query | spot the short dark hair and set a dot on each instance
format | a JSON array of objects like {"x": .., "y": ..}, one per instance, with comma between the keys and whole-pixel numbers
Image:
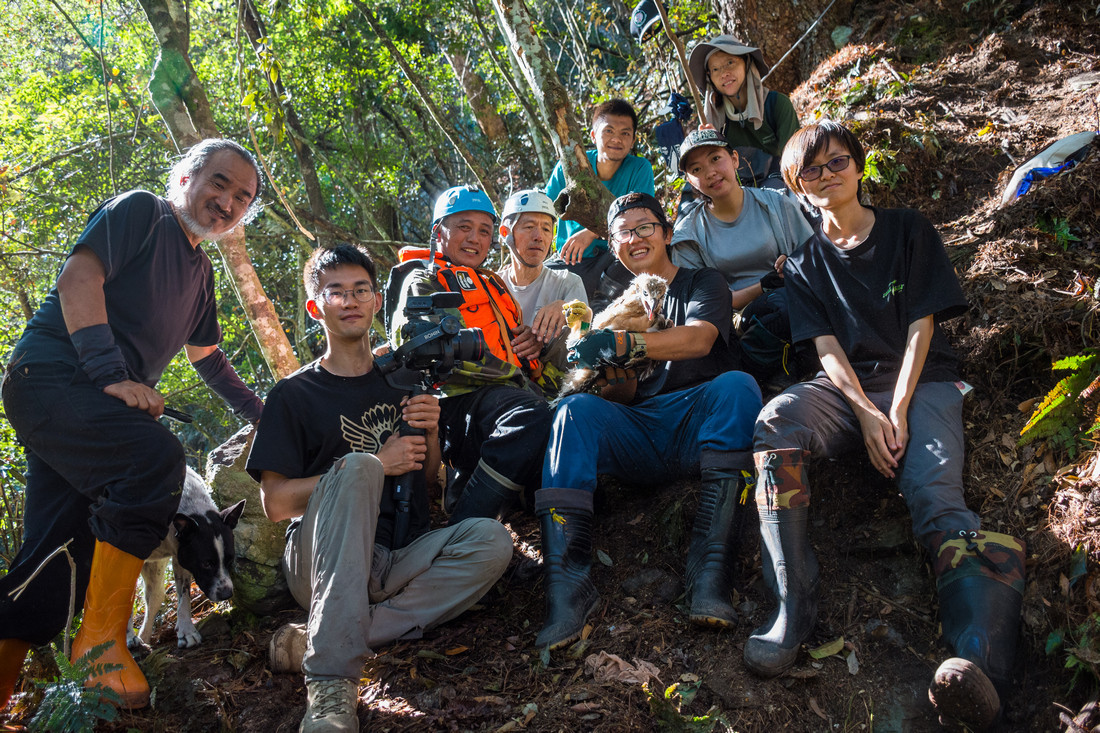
[
  {"x": 329, "y": 258},
  {"x": 199, "y": 155},
  {"x": 617, "y": 107},
  {"x": 807, "y": 144},
  {"x": 637, "y": 200}
]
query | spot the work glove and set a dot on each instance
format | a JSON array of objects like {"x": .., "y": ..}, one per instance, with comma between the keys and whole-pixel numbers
[
  {"x": 772, "y": 281},
  {"x": 604, "y": 347}
]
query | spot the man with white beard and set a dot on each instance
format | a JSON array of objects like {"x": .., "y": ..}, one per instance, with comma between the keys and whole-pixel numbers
[{"x": 103, "y": 476}]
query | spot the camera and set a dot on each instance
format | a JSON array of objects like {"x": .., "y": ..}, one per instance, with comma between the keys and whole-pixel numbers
[{"x": 433, "y": 340}]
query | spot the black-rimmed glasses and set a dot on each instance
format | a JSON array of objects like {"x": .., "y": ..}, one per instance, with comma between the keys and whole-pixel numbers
[
  {"x": 642, "y": 230},
  {"x": 836, "y": 165}
]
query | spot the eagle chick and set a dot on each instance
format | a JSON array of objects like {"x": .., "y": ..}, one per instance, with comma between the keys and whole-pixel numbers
[{"x": 638, "y": 309}]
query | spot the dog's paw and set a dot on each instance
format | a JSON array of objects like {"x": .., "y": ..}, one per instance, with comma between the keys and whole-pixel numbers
[
  {"x": 138, "y": 648},
  {"x": 187, "y": 636}
]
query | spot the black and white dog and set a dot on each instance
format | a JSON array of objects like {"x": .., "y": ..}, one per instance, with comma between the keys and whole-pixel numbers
[{"x": 200, "y": 545}]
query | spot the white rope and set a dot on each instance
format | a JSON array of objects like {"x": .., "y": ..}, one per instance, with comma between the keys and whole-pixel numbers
[{"x": 800, "y": 40}]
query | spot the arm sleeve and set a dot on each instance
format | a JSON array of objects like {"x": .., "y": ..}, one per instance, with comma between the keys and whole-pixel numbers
[
  {"x": 710, "y": 301},
  {"x": 120, "y": 229},
  {"x": 933, "y": 286},
  {"x": 807, "y": 313},
  {"x": 786, "y": 120},
  {"x": 556, "y": 183},
  {"x": 280, "y": 441},
  {"x": 573, "y": 288},
  {"x": 642, "y": 178},
  {"x": 795, "y": 225},
  {"x": 208, "y": 332},
  {"x": 224, "y": 381}
]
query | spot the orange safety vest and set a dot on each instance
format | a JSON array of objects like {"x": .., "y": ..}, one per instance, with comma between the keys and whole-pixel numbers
[{"x": 486, "y": 304}]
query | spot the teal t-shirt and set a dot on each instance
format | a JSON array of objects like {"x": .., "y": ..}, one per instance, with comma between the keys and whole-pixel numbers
[{"x": 635, "y": 174}]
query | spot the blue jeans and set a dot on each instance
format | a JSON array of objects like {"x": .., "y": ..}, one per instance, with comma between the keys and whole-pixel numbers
[
  {"x": 656, "y": 441},
  {"x": 96, "y": 469}
]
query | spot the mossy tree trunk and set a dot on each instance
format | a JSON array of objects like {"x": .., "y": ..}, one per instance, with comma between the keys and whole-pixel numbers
[{"x": 585, "y": 199}]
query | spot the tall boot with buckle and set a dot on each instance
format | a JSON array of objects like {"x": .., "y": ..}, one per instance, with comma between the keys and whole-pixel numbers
[
  {"x": 486, "y": 494},
  {"x": 12, "y": 654},
  {"x": 790, "y": 567},
  {"x": 565, "y": 516},
  {"x": 107, "y": 608},
  {"x": 980, "y": 580},
  {"x": 715, "y": 537}
]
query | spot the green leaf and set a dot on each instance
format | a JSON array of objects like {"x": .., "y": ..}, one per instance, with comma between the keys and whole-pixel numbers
[
  {"x": 828, "y": 649},
  {"x": 604, "y": 558}
]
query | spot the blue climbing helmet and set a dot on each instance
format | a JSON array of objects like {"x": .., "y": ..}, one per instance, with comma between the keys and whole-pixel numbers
[
  {"x": 462, "y": 198},
  {"x": 453, "y": 201}
]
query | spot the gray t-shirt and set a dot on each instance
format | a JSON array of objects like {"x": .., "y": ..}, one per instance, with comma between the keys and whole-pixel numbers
[
  {"x": 549, "y": 286},
  {"x": 745, "y": 249}
]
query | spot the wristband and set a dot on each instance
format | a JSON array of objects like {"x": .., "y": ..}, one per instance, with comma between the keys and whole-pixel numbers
[{"x": 99, "y": 355}]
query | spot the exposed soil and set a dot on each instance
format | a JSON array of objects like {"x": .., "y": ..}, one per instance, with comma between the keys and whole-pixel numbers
[{"x": 959, "y": 98}]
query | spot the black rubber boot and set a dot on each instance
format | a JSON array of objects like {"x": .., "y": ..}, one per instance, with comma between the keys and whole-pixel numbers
[
  {"x": 790, "y": 567},
  {"x": 565, "y": 516},
  {"x": 487, "y": 494},
  {"x": 980, "y": 577},
  {"x": 715, "y": 537}
]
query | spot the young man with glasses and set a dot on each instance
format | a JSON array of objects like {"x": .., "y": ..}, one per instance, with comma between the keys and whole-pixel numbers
[
  {"x": 691, "y": 414},
  {"x": 104, "y": 477},
  {"x": 327, "y": 453}
]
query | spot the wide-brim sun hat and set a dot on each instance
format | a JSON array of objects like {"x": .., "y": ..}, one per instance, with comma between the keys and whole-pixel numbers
[{"x": 697, "y": 64}]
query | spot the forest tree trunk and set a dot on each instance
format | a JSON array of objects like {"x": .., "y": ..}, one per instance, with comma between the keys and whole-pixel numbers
[
  {"x": 775, "y": 25},
  {"x": 585, "y": 199},
  {"x": 181, "y": 100}
]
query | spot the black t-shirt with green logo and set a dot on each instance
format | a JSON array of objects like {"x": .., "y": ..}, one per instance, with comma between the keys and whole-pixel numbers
[{"x": 868, "y": 296}]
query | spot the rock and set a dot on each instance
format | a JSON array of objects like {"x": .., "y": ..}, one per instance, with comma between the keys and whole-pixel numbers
[{"x": 258, "y": 582}]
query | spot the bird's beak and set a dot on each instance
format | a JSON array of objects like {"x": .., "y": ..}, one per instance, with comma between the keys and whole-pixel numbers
[{"x": 650, "y": 306}]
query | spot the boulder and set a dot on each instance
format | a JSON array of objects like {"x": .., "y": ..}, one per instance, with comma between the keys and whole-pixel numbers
[{"x": 258, "y": 582}]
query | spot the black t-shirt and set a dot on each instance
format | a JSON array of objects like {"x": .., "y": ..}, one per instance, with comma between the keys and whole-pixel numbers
[
  {"x": 694, "y": 295},
  {"x": 313, "y": 418},
  {"x": 159, "y": 290},
  {"x": 868, "y": 296}
]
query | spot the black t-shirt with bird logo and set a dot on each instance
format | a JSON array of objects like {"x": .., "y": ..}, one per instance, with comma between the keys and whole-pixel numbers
[{"x": 313, "y": 418}]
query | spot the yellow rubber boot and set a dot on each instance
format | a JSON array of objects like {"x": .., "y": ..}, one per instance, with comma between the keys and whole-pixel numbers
[
  {"x": 12, "y": 654},
  {"x": 107, "y": 608}
]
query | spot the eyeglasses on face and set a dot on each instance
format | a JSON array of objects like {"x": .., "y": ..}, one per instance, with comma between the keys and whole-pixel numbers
[
  {"x": 836, "y": 165},
  {"x": 332, "y": 295},
  {"x": 642, "y": 231}
]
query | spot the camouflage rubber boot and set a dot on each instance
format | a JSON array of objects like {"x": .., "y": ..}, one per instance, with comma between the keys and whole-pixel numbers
[
  {"x": 715, "y": 535},
  {"x": 980, "y": 579},
  {"x": 790, "y": 567},
  {"x": 565, "y": 516}
]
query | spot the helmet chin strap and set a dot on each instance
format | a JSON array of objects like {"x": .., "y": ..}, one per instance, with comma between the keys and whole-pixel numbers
[{"x": 434, "y": 237}]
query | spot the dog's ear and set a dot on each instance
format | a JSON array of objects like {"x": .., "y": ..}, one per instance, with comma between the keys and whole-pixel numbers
[
  {"x": 232, "y": 514},
  {"x": 184, "y": 525}
]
